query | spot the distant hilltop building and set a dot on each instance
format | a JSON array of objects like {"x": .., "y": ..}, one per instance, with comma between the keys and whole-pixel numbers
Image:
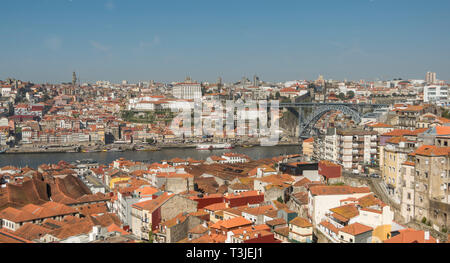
[
  {"x": 187, "y": 90},
  {"x": 431, "y": 77},
  {"x": 74, "y": 78},
  {"x": 320, "y": 81},
  {"x": 255, "y": 81}
]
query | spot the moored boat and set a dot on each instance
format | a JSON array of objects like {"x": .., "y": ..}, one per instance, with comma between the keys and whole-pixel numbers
[{"x": 204, "y": 147}]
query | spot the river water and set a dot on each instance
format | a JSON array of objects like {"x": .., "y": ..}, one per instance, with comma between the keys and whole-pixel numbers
[{"x": 34, "y": 160}]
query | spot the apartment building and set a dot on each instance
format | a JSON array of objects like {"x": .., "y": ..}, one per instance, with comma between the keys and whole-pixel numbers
[
  {"x": 436, "y": 94},
  {"x": 409, "y": 116},
  {"x": 187, "y": 90},
  {"x": 351, "y": 148},
  {"x": 407, "y": 189},
  {"x": 432, "y": 182},
  {"x": 395, "y": 153}
]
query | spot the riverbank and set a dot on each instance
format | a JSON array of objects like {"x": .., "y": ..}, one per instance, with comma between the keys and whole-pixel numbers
[
  {"x": 33, "y": 160},
  {"x": 123, "y": 148},
  {"x": 30, "y": 150}
]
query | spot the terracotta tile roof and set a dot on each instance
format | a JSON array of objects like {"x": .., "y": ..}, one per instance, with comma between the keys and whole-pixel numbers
[
  {"x": 410, "y": 236},
  {"x": 251, "y": 229},
  {"x": 116, "y": 228},
  {"x": 91, "y": 209},
  {"x": 409, "y": 163},
  {"x": 69, "y": 230},
  {"x": 232, "y": 223},
  {"x": 276, "y": 222},
  {"x": 258, "y": 210},
  {"x": 329, "y": 226},
  {"x": 33, "y": 191},
  {"x": 302, "y": 197},
  {"x": 199, "y": 229},
  {"x": 345, "y": 213},
  {"x": 444, "y": 120},
  {"x": 240, "y": 186},
  {"x": 212, "y": 238},
  {"x": 216, "y": 207},
  {"x": 302, "y": 182},
  {"x": 337, "y": 190},
  {"x": 431, "y": 150},
  {"x": 243, "y": 194},
  {"x": 413, "y": 108},
  {"x": 282, "y": 231},
  {"x": 54, "y": 224},
  {"x": 380, "y": 125},
  {"x": 152, "y": 205},
  {"x": 356, "y": 229},
  {"x": 418, "y": 131},
  {"x": 147, "y": 190},
  {"x": 32, "y": 212},
  {"x": 71, "y": 190},
  {"x": 199, "y": 213},
  {"x": 370, "y": 200},
  {"x": 397, "y": 140},
  {"x": 31, "y": 231},
  {"x": 105, "y": 219},
  {"x": 279, "y": 205},
  {"x": 397, "y": 133},
  {"x": 6, "y": 237},
  {"x": 180, "y": 218},
  {"x": 300, "y": 222}
]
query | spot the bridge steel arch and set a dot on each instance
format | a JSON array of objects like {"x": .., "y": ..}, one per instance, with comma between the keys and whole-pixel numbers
[{"x": 307, "y": 125}]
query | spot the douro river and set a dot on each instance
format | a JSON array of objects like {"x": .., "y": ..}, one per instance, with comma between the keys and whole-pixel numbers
[{"x": 34, "y": 160}]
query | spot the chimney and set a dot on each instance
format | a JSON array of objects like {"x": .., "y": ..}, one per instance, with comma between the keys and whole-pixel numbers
[{"x": 427, "y": 235}]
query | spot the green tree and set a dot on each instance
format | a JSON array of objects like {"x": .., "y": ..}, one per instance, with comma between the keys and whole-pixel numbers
[
  {"x": 280, "y": 199},
  {"x": 150, "y": 234},
  {"x": 341, "y": 96},
  {"x": 424, "y": 220},
  {"x": 350, "y": 94}
]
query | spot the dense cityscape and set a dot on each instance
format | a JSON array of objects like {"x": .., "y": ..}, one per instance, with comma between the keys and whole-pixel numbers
[
  {"x": 210, "y": 131},
  {"x": 373, "y": 169}
]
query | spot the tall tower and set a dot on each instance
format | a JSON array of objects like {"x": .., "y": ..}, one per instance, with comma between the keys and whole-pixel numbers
[
  {"x": 431, "y": 77},
  {"x": 219, "y": 84},
  {"x": 255, "y": 81},
  {"x": 74, "y": 78}
]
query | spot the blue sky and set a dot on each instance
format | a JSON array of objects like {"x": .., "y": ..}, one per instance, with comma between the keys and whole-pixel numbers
[{"x": 45, "y": 40}]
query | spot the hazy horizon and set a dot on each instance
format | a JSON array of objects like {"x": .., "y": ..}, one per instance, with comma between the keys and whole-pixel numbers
[{"x": 46, "y": 40}]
